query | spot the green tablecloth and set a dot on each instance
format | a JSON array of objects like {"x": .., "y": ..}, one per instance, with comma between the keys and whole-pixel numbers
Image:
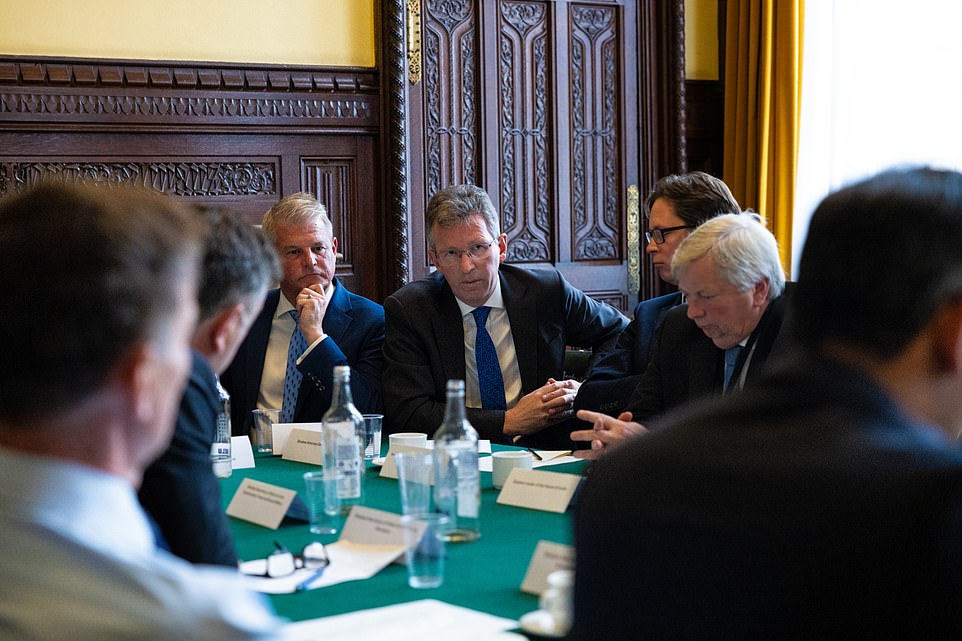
[{"x": 484, "y": 575}]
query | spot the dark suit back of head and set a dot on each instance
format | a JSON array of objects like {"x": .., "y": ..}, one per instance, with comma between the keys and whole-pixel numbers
[
  {"x": 85, "y": 274},
  {"x": 882, "y": 254}
]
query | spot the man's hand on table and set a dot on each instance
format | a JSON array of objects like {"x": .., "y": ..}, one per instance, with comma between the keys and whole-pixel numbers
[{"x": 606, "y": 432}]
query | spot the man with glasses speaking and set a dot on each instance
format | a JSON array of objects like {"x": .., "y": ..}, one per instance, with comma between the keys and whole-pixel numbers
[
  {"x": 501, "y": 328},
  {"x": 308, "y": 326}
]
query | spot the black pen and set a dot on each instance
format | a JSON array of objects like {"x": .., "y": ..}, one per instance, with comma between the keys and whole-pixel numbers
[{"x": 535, "y": 454}]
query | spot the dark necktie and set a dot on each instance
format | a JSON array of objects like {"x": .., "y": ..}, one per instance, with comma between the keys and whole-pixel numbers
[
  {"x": 292, "y": 378},
  {"x": 731, "y": 358},
  {"x": 489, "y": 370}
]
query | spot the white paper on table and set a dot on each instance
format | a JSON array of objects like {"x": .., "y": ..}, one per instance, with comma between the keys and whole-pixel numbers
[
  {"x": 550, "y": 457},
  {"x": 424, "y": 620},
  {"x": 242, "y": 454},
  {"x": 349, "y": 562}
]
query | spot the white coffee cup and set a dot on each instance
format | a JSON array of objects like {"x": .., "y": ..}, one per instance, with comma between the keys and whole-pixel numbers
[
  {"x": 409, "y": 439},
  {"x": 503, "y": 462},
  {"x": 558, "y": 599}
]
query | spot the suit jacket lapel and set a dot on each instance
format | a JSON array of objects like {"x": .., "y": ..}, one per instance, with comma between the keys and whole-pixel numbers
[
  {"x": 523, "y": 316},
  {"x": 339, "y": 313},
  {"x": 448, "y": 328}
]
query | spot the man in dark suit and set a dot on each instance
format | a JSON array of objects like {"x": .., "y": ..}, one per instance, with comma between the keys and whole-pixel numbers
[
  {"x": 527, "y": 318},
  {"x": 308, "y": 326},
  {"x": 676, "y": 205},
  {"x": 179, "y": 489},
  {"x": 824, "y": 501},
  {"x": 730, "y": 272}
]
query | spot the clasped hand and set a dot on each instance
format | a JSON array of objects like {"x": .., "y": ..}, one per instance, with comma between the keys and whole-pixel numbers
[
  {"x": 549, "y": 404},
  {"x": 311, "y": 306}
]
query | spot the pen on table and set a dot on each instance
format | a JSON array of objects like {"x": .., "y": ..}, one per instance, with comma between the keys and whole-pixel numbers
[
  {"x": 536, "y": 456},
  {"x": 306, "y": 583}
]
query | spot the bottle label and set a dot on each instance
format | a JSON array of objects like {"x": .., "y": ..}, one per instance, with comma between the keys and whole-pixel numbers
[
  {"x": 347, "y": 457},
  {"x": 468, "y": 487}
]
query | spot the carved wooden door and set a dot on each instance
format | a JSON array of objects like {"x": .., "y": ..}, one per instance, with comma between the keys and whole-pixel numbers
[{"x": 536, "y": 101}]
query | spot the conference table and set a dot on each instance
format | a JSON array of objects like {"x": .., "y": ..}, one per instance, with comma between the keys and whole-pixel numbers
[{"x": 483, "y": 575}]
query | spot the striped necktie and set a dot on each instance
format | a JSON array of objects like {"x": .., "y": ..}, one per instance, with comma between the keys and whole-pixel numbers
[{"x": 292, "y": 378}]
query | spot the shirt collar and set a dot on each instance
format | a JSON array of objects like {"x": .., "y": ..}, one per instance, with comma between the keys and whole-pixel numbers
[{"x": 495, "y": 301}]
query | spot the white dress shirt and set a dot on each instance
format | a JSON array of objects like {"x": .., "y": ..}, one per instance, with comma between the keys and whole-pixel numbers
[
  {"x": 271, "y": 394},
  {"x": 499, "y": 328},
  {"x": 78, "y": 561}
]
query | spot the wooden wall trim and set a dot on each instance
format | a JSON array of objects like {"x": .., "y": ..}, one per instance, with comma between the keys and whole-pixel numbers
[
  {"x": 395, "y": 151},
  {"x": 135, "y": 92}
]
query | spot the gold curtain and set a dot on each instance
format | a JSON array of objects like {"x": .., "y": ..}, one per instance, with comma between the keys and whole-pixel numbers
[{"x": 763, "y": 76}]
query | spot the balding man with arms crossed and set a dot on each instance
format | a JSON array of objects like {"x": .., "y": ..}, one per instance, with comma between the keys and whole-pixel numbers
[
  {"x": 87, "y": 399},
  {"x": 825, "y": 500}
]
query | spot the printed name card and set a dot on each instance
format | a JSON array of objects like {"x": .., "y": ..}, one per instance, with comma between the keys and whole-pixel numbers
[
  {"x": 241, "y": 453},
  {"x": 305, "y": 446},
  {"x": 537, "y": 490},
  {"x": 261, "y": 503},
  {"x": 367, "y": 526},
  {"x": 547, "y": 558},
  {"x": 389, "y": 469},
  {"x": 282, "y": 432}
]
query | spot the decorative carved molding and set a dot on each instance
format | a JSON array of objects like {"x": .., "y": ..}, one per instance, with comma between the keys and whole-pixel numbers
[
  {"x": 393, "y": 43},
  {"x": 414, "y": 40},
  {"x": 450, "y": 134},
  {"x": 596, "y": 201},
  {"x": 137, "y": 92},
  {"x": 194, "y": 178},
  {"x": 523, "y": 134},
  {"x": 333, "y": 182}
]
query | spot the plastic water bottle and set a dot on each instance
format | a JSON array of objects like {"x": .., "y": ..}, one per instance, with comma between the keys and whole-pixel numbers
[
  {"x": 343, "y": 439},
  {"x": 457, "y": 480},
  {"x": 220, "y": 453}
]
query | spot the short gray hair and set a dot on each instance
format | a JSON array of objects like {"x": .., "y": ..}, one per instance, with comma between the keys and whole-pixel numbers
[
  {"x": 455, "y": 204},
  {"x": 300, "y": 207},
  {"x": 743, "y": 249}
]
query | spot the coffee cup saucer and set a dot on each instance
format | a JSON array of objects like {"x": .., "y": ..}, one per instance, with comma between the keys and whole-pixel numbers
[{"x": 541, "y": 623}]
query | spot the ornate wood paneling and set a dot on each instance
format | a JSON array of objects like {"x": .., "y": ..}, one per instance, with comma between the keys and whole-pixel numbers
[
  {"x": 595, "y": 172},
  {"x": 524, "y": 127},
  {"x": 333, "y": 181},
  {"x": 136, "y": 92},
  {"x": 450, "y": 117},
  {"x": 240, "y": 136},
  {"x": 191, "y": 177}
]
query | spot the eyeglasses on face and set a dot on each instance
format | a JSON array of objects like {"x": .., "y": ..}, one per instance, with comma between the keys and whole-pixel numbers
[
  {"x": 283, "y": 562},
  {"x": 451, "y": 257},
  {"x": 658, "y": 235}
]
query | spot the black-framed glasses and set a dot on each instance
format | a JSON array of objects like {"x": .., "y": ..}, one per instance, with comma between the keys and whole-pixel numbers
[
  {"x": 283, "y": 562},
  {"x": 450, "y": 257},
  {"x": 658, "y": 235}
]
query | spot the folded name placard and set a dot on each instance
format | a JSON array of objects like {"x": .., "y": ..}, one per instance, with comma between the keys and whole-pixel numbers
[
  {"x": 547, "y": 558},
  {"x": 282, "y": 431},
  {"x": 241, "y": 452},
  {"x": 389, "y": 469},
  {"x": 537, "y": 490},
  {"x": 262, "y": 503},
  {"x": 304, "y": 445}
]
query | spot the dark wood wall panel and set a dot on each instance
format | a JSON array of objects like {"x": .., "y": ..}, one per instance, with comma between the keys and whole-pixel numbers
[
  {"x": 240, "y": 136},
  {"x": 450, "y": 113},
  {"x": 596, "y": 167},
  {"x": 524, "y": 118}
]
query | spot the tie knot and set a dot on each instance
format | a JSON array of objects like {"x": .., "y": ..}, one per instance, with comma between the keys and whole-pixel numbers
[
  {"x": 481, "y": 315},
  {"x": 293, "y": 314}
]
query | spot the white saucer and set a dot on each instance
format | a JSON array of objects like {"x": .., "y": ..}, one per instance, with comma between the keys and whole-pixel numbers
[
  {"x": 541, "y": 623},
  {"x": 379, "y": 461}
]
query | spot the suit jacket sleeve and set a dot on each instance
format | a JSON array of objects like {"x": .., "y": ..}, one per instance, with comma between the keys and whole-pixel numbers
[
  {"x": 180, "y": 491},
  {"x": 411, "y": 391},
  {"x": 366, "y": 342}
]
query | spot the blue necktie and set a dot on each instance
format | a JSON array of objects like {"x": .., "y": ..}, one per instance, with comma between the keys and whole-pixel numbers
[
  {"x": 489, "y": 370},
  {"x": 292, "y": 378},
  {"x": 731, "y": 357}
]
